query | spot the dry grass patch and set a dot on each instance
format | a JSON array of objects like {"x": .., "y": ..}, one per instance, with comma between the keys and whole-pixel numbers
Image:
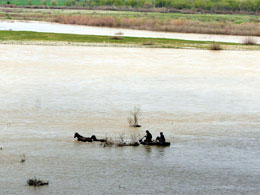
[{"x": 164, "y": 25}]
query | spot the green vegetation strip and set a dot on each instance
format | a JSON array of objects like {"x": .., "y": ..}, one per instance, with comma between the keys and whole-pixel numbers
[
  {"x": 207, "y": 5},
  {"x": 30, "y": 37},
  {"x": 50, "y": 14}
]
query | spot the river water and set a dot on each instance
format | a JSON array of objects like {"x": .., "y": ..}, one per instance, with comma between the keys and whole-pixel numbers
[
  {"x": 92, "y": 30},
  {"x": 205, "y": 102}
]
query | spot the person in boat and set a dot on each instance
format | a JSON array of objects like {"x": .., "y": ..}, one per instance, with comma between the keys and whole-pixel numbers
[
  {"x": 148, "y": 137},
  {"x": 160, "y": 138}
]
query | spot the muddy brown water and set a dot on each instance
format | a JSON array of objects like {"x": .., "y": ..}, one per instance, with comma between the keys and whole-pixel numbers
[{"x": 205, "y": 102}]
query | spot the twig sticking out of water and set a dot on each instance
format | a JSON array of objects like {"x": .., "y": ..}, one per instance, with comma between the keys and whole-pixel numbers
[
  {"x": 23, "y": 158},
  {"x": 108, "y": 142},
  {"x": 134, "y": 117},
  {"x": 122, "y": 141}
]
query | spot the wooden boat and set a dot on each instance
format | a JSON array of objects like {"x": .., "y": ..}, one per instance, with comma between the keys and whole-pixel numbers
[{"x": 155, "y": 143}]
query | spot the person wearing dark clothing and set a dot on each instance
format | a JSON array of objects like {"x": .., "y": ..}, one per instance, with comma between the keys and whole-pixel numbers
[
  {"x": 161, "y": 138},
  {"x": 148, "y": 136}
]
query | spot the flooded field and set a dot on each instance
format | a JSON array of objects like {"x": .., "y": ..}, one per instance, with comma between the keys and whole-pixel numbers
[
  {"x": 92, "y": 30},
  {"x": 205, "y": 102}
]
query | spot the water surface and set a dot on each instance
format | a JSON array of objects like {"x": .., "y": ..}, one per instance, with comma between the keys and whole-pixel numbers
[{"x": 207, "y": 104}]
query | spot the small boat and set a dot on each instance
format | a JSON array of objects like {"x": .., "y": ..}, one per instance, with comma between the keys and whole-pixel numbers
[{"x": 155, "y": 143}]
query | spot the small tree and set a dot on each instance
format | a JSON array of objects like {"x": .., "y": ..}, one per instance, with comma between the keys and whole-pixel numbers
[
  {"x": 68, "y": 3},
  {"x": 44, "y": 2},
  {"x": 22, "y": 158},
  {"x": 29, "y": 2},
  {"x": 249, "y": 41},
  {"x": 134, "y": 117},
  {"x": 54, "y": 2}
]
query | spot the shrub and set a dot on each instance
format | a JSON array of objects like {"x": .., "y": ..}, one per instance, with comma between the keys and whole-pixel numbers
[
  {"x": 82, "y": 4},
  {"x": 44, "y": 2},
  {"x": 215, "y": 46},
  {"x": 249, "y": 41},
  {"x": 54, "y": 2},
  {"x": 36, "y": 182},
  {"x": 118, "y": 36},
  {"x": 148, "y": 4},
  {"x": 68, "y": 3}
]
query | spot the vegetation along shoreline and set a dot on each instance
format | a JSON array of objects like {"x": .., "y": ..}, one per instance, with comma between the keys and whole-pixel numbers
[{"x": 56, "y": 39}]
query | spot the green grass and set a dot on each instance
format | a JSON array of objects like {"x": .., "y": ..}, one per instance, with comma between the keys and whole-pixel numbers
[
  {"x": 148, "y": 42},
  {"x": 15, "y": 37}
]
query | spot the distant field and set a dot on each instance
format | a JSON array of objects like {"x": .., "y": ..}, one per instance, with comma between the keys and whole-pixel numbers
[
  {"x": 33, "y": 2},
  {"x": 17, "y": 13},
  {"x": 191, "y": 5}
]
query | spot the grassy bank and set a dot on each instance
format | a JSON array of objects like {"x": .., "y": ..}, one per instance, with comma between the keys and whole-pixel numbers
[
  {"x": 34, "y": 37},
  {"x": 246, "y": 25}
]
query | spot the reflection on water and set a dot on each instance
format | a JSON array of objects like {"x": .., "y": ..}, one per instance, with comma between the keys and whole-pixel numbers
[
  {"x": 206, "y": 103},
  {"x": 148, "y": 149}
]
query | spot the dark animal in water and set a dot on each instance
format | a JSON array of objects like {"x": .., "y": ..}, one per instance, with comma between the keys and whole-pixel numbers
[
  {"x": 94, "y": 138},
  {"x": 81, "y": 138},
  {"x": 88, "y": 139}
]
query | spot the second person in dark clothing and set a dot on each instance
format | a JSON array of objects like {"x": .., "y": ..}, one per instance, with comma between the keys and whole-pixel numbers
[{"x": 161, "y": 138}]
